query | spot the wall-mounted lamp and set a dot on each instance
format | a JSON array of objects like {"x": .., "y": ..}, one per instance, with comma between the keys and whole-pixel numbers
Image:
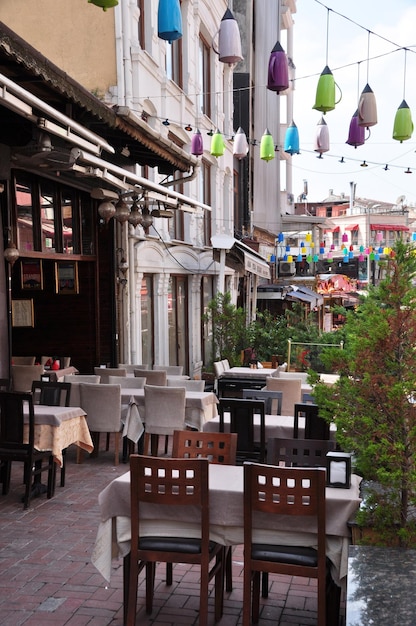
[{"x": 122, "y": 267}]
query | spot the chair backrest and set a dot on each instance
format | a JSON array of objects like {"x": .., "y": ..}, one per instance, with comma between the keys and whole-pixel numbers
[
  {"x": 153, "y": 377},
  {"x": 127, "y": 382},
  {"x": 23, "y": 360},
  {"x": 298, "y": 452},
  {"x": 51, "y": 393},
  {"x": 316, "y": 427},
  {"x": 76, "y": 380},
  {"x": 130, "y": 367},
  {"x": 15, "y": 409},
  {"x": 102, "y": 404},
  {"x": 272, "y": 399},
  {"x": 294, "y": 491},
  {"x": 169, "y": 481},
  {"x": 164, "y": 409},
  {"x": 292, "y": 391},
  {"x": 303, "y": 376},
  {"x": 171, "y": 370},
  {"x": 216, "y": 447},
  {"x": 190, "y": 385},
  {"x": 24, "y": 375},
  {"x": 242, "y": 417},
  {"x": 225, "y": 364},
  {"x": 218, "y": 368},
  {"x": 105, "y": 372}
]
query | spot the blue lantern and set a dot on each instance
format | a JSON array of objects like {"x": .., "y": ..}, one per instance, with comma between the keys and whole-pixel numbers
[
  {"x": 299, "y": 258},
  {"x": 291, "y": 145},
  {"x": 281, "y": 237},
  {"x": 169, "y": 20}
]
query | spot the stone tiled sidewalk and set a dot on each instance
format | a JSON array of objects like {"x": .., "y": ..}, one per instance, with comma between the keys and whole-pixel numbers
[{"x": 46, "y": 574}]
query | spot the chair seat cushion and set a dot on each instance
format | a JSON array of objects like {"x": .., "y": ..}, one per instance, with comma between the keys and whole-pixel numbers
[
  {"x": 174, "y": 544},
  {"x": 291, "y": 555}
]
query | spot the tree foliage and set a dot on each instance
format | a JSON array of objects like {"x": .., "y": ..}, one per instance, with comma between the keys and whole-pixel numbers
[{"x": 372, "y": 404}]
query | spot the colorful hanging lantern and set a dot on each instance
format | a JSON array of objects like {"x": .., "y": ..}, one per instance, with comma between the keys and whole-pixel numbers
[
  {"x": 280, "y": 237},
  {"x": 291, "y": 145},
  {"x": 332, "y": 246},
  {"x": 372, "y": 256},
  {"x": 302, "y": 245},
  {"x": 308, "y": 237},
  {"x": 240, "y": 147},
  {"x": 104, "y": 4},
  {"x": 309, "y": 258},
  {"x": 367, "y": 108},
  {"x": 197, "y": 144},
  {"x": 290, "y": 258},
  {"x": 403, "y": 125},
  {"x": 361, "y": 258},
  {"x": 351, "y": 254},
  {"x": 229, "y": 40},
  {"x": 299, "y": 258},
  {"x": 386, "y": 251},
  {"x": 321, "y": 144},
  {"x": 267, "y": 146},
  {"x": 321, "y": 250},
  {"x": 217, "y": 144},
  {"x": 287, "y": 248},
  {"x": 344, "y": 237},
  {"x": 315, "y": 258},
  {"x": 285, "y": 257},
  {"x": 169, "y": 20},
  {"x": 278, "y": 71},
  {"x": 356, "y": 134},
  {"x": 325, "y": 92},
  {"x": 345, "y": 258}
]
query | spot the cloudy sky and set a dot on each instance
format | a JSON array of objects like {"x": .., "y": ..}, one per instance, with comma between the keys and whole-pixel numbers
[{"x": 391, "y": 74}]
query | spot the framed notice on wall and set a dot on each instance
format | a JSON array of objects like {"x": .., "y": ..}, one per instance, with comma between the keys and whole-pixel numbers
[
  {"x": 22, "y": 313},
  {"x": 66, "y": 277},
  {"x": 31, "y": 273}
]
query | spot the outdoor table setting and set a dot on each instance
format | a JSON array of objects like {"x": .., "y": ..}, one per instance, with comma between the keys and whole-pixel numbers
[
  {"x": 57, "y": 427},
  {"x": 200, "y": 407},
  {"x": 226, "y": 520},
  {"x": 276, "y": 426}
]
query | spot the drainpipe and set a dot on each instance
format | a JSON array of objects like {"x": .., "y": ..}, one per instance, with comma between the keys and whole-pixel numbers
[{"x": 184, "y": 179}]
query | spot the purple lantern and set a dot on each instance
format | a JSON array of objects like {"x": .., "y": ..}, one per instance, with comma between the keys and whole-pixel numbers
[
  {"x": 278, "y": 72},
  {"x": 356, "y": 132},
  {"x": 197, "y": 144}
]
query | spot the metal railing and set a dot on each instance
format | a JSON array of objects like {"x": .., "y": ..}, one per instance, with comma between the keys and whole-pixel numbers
[{"x": 306, "y": 355}]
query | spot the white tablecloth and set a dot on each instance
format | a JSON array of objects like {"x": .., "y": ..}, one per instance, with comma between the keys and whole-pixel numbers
[{"x": 226, "y": 520}]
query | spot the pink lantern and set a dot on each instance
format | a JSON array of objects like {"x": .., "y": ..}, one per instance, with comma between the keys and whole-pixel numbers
[{"x": 344, "y": 237}]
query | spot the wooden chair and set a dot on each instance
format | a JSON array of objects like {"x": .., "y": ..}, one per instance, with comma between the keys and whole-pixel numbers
[
  {"x": 190, "y": 385},
  {"x": 24, "y": 375},
  {"x": 171, "y": 370},
  {"x": 102, "y": 404},
  {"x": 291, "y": 389},
  {"x": 217, "y": 448},
  {"x": 315, "y": 427},
  {"x": 127, "y": 382},
  {"x": 153, "y": 377},
  {"x": 16, "y": 413},
  {"x": 273, "y": 399},
  {"x": 164, "y": 413},
  {"x": 298, "y": 452},
  {"x": 287, "y": 491},
  {"x": 53, "y": 394},
  {"x": 105, "y": 372},
  {"x": 171, "y": 482},
  {"x": 242, "y": 416}
]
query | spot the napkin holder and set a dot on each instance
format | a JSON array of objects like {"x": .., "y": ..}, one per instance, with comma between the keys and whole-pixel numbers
[{"x": 338, "y": 470}]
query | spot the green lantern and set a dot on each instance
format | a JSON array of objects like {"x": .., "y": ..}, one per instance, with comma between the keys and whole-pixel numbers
[
  {"x": 104, "y": 4},
  {"x": 267, "y": 146},
  {"x": 217, "y": 144},
  {"x": 403, "y": 125}
]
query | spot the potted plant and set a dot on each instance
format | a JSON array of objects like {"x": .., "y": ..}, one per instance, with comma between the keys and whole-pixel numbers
[{"x": 372, "y": 404}]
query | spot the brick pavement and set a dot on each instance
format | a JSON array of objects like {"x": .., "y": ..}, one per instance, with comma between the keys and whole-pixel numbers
[{"x": 46, "y": 574}]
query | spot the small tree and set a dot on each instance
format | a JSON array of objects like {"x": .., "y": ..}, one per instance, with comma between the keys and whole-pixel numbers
[
  {"x": 372, "y": 404},
  {"x": 228, "y": 328}
]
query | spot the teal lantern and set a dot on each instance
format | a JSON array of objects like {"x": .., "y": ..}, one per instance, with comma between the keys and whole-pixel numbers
[{"x": 291, "y": 145}]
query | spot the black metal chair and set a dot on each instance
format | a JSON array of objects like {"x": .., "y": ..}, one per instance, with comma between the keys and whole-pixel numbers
[
  {"x": 315, "y": 426},
  {"x": 16, "y": 412},
  {"x": 298, "y": 452},
  {"x": 53, "y": 394},
  {"x": 242, "y": 417},
  {"x": 273, "y": 399}
]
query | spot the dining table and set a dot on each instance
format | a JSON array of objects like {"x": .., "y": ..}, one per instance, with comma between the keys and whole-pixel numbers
[
  {"x": 226, "y": 483},
  {"x": 57, "y": 427},
  {"x": 200, "y": 406},
  {"x": 276, "y": 426}
]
